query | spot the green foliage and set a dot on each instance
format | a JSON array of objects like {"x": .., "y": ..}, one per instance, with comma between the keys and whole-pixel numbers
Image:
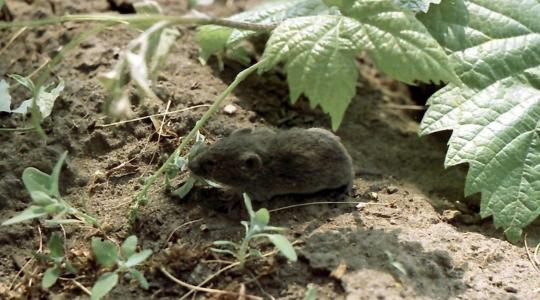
[
  {"x": 311, "y": 293},
  {"x": 417, "y": 5},
  {"x": 56, "y": 257},
  {"x": 46, "y": 199},
  {"x": 138, "y": 64},
  {"x": 494, "y": 114},
  {"x": 319, "y": 47},
  {"x": 126, "y": 259},
  {"x": 45, "y": 96},
  {"x": 256, "y": 228},
  {"x": 225, "y": 41},
  {"x": 105, "y": 283}
]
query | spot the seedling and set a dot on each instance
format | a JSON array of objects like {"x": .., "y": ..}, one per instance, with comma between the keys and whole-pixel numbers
[
  {"x": 256, "y": 228},
  {"x": 46, "y": 199},
  {"x": 125, "y": 259},
  {"x": 57, "y": 258},
  {"x": 45, "y": 97}
]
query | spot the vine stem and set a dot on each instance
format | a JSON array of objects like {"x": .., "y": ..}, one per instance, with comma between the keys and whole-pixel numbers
[
  {"x": 136, "y": 18},
  {"x": 142, "y": 196}
]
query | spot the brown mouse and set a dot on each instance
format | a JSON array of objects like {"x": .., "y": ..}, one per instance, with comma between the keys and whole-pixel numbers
[{"x": 266, "y": 163}]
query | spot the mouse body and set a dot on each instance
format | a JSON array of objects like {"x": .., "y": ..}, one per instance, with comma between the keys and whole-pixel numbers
[{"x": 265, "y": 163}]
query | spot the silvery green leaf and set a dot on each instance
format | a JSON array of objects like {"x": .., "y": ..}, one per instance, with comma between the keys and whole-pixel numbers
[
  {"x": 105, "y": 283},
  {"x": 494, "y": 114}
]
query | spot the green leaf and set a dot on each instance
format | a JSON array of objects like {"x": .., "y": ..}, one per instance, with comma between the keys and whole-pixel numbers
[
  {"x": 261, "y": 218},
  {"x": 138, "y": 258},
  {"x": 55, "y": 175},
  {"x": 417, "y": 5},
  {"x": 41, "y": 198},
  {"x": 128, "y": 246},
  {"x": 249, "y": 207},
  {"x": 215, "y": 39},
  {"x": 283, "y": 245},
  {"x": 105, "y": 252},
  {"x": 311, "y": 293},
  {"x": 50, "y": 277},
  {"x": 31, "y": 212},
  {"x": 140, "y": 277},
  {"x": 103, "y": 285},
  {"x": 56, "y": 245},
  {"x": 494, "y": 115},
  {"x": 45, "y": 99},
  {"x": 185, "y": 188},
  {"x": 24, "y": 81},
  {"x": 5, "y": 97},
  {"x": 36, "y": 181},
  {"x": 320, "y": 52}
]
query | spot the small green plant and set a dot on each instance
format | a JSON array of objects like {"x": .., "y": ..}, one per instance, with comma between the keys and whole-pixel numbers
[
  {"x": 45, "y": 97},
  {"x": 256, "y": 228},
  {"x": 56, "y": 257},
  {"x": 126, "y": 259},
  {"x": 46, "y": 199}
]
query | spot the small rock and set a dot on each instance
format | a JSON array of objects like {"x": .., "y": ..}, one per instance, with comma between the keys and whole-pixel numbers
[
  {"x": 230, "y": 109},
  {"x": 450, "y": 215},
  {"x": 393, "y": 222},
  {"x": 511, "y": 289},
  {"x": 373, "y": 195},
  {"x": 392, "y": 189}
]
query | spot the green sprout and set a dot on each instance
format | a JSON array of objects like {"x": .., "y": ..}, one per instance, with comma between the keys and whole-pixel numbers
[
  {"x": 256, "y": 228},
  {"x": 57, "y": 258},
  {"x": 46, "y": 199},
  {"x": 108, "y": 255}
]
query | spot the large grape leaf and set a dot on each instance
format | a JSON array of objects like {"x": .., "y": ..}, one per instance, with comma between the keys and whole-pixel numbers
[
  {"x": 417, "y": 5},
  {"x": 214, "y": 39},
  {"x": 495, "y": 114},
  {"x": 319, "y": 51}
]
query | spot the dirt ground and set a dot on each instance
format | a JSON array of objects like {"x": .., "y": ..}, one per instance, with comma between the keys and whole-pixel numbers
[{"x": 414, "y": 237}]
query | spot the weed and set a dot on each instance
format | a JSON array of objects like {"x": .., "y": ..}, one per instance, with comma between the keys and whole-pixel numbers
[
  {"x": 46, "y": 199},
  {"x": 56, "y": 257},
  {"x": 125, "y": 259},
  {"x": 256, "y": 228}
]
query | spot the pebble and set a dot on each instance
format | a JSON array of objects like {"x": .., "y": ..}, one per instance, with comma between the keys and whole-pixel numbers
[
  {"x": 392, "y": 189},
  {"x": 230, "y": 109},
  {"x": 511, "y": 289}
]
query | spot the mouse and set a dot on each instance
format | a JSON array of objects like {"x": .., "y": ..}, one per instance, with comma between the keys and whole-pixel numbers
[{"x": 265, "y": 163}]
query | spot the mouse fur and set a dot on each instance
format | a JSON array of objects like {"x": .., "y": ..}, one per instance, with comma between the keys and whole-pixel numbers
[{"x": 265, "y": 163}]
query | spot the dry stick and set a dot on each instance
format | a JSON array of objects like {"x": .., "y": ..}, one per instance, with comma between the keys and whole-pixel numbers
[
  {"x": 531, "y": 259},
  {"x": 405, "y": 107},
  {"x": 221, "y": 271},
  {"x": 536, "y": 254},
  {"x": 160, "y": 131},
  {"x": 185, "y": 224},
  {"x": 201, "y": 289},
  {"x": 82, "y": 287},
  {"x": 141, "y": 196},
  {"x": 12, "y": 39},
  {"x": 324, "y": 202},
  {"x": 155, "y": 115}
]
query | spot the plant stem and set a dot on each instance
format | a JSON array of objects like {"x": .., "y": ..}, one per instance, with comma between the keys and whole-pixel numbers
[
  {"x": 137, "y": 18},
  {"x": 142, "y": 196}
]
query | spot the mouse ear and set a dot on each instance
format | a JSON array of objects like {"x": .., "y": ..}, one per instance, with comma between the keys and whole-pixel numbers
[
  {"x": 240, "y": 131},
  {"x": 251, "y": 161}
]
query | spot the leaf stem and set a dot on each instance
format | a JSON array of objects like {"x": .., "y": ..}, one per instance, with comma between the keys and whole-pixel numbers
[
  {"x": 137, "y": 18},
  {"x": 142, "y": 197}
]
